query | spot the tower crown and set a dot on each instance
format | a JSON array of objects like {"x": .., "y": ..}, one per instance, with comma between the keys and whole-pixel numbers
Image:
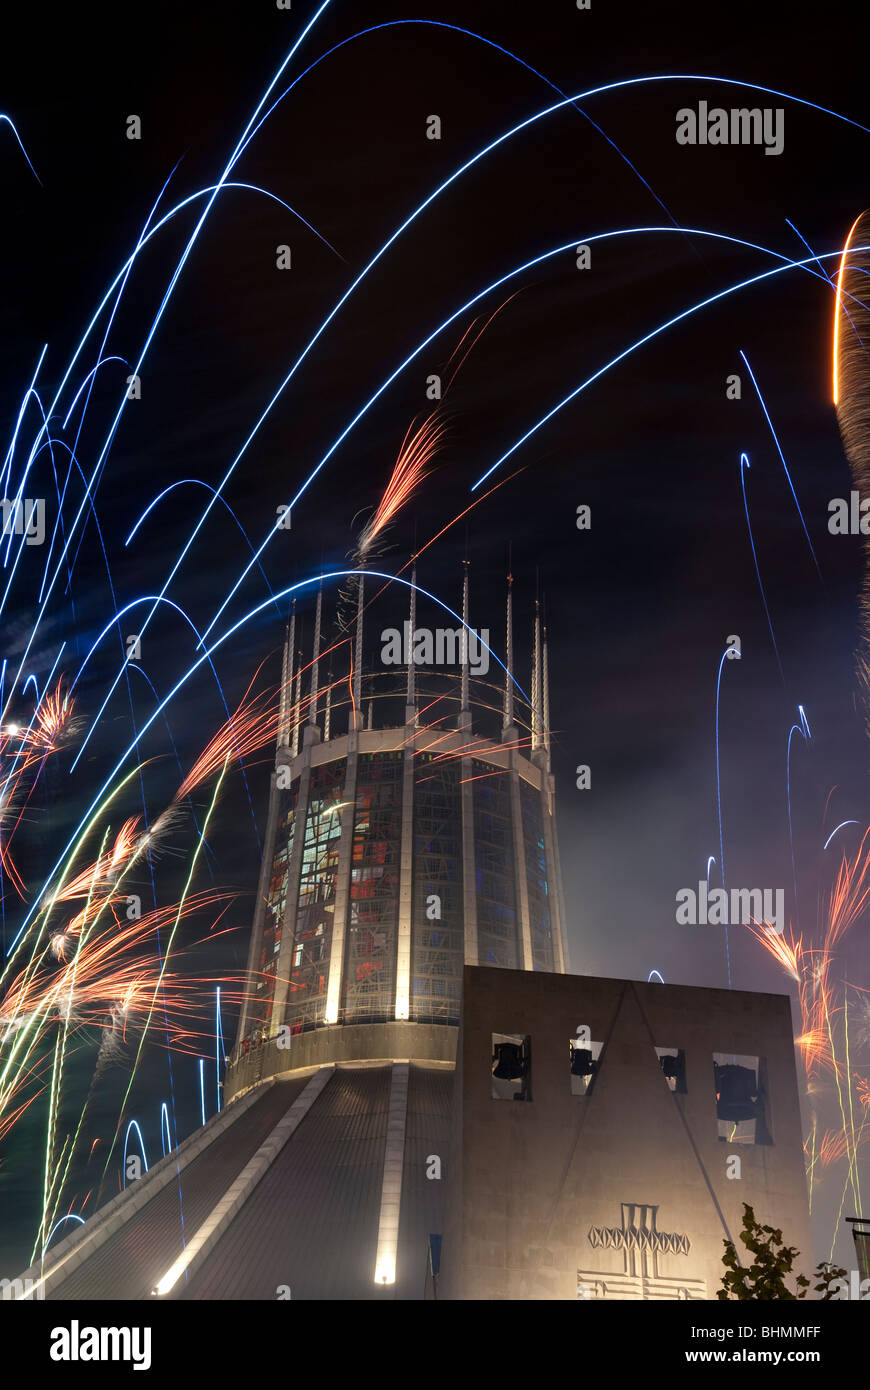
[{"x": 398, "y": 849}]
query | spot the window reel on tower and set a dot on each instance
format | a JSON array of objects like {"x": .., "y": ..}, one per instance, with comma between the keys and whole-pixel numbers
[
  {"x": 511, "y": 1067},
  {"x": 673, "y": 1064},
  {"x": 582, "y": 1061},
  {"x": 741, "y": 1099},
  {"x": 508, "y": 1062},
  {"x": 737, "y": 1093}
]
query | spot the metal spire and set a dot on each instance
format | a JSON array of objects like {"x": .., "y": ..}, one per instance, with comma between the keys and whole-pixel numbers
[
  {"x": 410, "y": 698},
  {"x": 315, "y": 665},
  {"x": 327, "y": 719},
  {"x": 464, "y": 701},
  {"x": 287, "y": 680},
  {"x": 508, "y": 710},
  {"x": 546, "y": 698},
  {"x": 536, "y": 681},
  {"x": 297, "y": 697},
  {"x": 357, "y": 714}
]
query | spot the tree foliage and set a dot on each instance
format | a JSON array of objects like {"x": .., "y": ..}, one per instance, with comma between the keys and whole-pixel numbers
[{"x": 772, "y": 1262}]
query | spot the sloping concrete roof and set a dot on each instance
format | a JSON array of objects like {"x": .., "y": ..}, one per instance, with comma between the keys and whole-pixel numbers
[
  {"x": 312, "y": 1222},
  {"x": 311, "y": 1225},
  {"x": 429, "y": 1095},
  {"x": 130, "y": 1262},
  {"x": 286, "y": 1184}
]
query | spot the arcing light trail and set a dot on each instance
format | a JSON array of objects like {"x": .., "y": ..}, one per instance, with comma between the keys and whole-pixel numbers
[
  {"x": 165, "y": 1136},
  {"x": 172, "y": 283},
  {"x": 851, "y": 389},
  {"x": 775, "y": 438},
  {"x": 149, "y": 838},
  {"x": 121, "y": 276},
  {"x": 71, "y": 1216},
  {"x": 66, "y": 1004},
  {"x": 145, "y": 599},
  {"x": 133, "y": 1125},
  {"x": 800, "y": 236},
  {"x": 789, "y": 264},
  {"x": 625, "y": 83},
  {"x": 565, "y": 247},
  {"x": 182, "y": 908},
  {"x": 506, "y": 135},
  {"x": 744, "y": 463},
  {"x": 126, "y": 847},
  {"x": 218, "y": 1045},
  {"x": 85, "y": 382},
  {"x": 629, "y": 82},
  {"x": 112, "y": 622},
  {"x": 836, "y": 828},
  {"x": 119, "y": 280},
  {"x": 31, "y": 391},
  {"x": 104, "y": 975},
  {"x": 94, "y": 475},
  {"x": 719, "y": 807},
  {"x": 835, "y": 348},
  {"x": 9, "y": 121},
  {"x": 480, "y": 38},
  {"x": 562, "y": 249},
  {"x": 92, "y": 487},
  {"x": 126, "y": 667},
  {"x": 804, "y": 730},
  {"x": 476, "y": 158},
  {"x": 198, "y": 482},
  {"x": 648, "y": 337},
  {"x": 198, "y": 662}
]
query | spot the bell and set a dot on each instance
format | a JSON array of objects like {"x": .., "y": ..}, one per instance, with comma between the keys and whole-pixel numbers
[
  {"x": 670, "y": 1066},
  {"x": 736, "y": 1094},
  {"x": 581, "y": 1062},
  {"x": 509, "y": 1064}
]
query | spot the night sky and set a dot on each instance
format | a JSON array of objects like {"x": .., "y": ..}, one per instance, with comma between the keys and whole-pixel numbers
[{"x": 638, "y": 608}]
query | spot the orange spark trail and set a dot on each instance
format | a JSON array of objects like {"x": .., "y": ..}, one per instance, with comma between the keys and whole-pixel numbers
[{"x": 835, "y": 372}]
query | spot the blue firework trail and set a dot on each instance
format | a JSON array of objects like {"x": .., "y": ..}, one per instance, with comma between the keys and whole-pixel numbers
[
  {"x": 724, "y": 657},
  {"x": 134, "y": 1124},
  {"x": 775, "y": 438},
  {"x": 79, "y": 468},
  {"x": 744, "y": 464},
  {"x": 803, "y": 729},
  {"x": 836, "y": 829}
]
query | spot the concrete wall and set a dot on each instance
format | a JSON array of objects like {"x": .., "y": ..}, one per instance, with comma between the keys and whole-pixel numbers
[
  {"x": 538, "y": 1191},
  {"x": 351, "y": 1042}
]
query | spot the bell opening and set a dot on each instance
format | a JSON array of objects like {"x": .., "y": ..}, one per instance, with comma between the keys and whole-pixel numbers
[{"x": 511, "y": 1066}]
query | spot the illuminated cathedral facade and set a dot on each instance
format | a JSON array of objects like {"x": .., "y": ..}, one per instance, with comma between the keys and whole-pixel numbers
[
  {"x": 396, "y": 853},
  {"x": 406, "y": 977}
]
